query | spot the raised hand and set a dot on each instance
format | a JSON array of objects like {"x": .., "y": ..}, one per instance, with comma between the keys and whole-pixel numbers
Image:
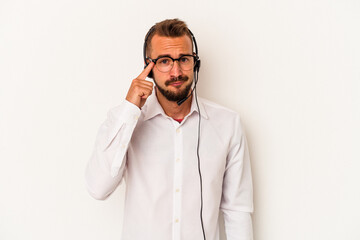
[{"x": 140, "y": 89}]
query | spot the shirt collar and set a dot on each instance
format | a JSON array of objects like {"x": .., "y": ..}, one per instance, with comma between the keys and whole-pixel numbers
[{"x": 153, "y": 108}]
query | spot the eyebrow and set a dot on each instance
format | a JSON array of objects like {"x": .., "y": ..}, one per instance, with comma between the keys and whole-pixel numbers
[
  {"x": 168, "y": 55},
  {"x": 163, "y": 55}
]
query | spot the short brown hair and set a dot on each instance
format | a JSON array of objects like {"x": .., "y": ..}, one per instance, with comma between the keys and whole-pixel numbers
[{"x": 167, "y": 28}]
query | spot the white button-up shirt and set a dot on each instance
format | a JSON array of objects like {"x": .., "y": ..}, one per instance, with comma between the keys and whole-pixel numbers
[{"x": 157, "y": 157}]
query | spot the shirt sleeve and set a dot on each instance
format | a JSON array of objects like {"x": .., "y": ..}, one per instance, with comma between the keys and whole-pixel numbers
[
  {"x": 237, "y": 197},
  {"x": 107, "y": 163}
]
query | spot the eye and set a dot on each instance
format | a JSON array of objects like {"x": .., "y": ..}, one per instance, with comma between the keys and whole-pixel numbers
[
  {"x": 185, "y": 59},
  {"x": 164, "y": 61}
]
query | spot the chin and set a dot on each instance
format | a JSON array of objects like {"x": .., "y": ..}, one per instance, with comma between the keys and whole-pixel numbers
[{"x": 175, "y": 96}]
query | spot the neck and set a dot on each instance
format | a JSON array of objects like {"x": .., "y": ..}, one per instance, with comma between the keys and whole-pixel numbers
[{"x": 172, "y": 109}]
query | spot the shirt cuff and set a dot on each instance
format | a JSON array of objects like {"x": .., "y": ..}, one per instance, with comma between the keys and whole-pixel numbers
[{"x": 130, "y": 112}]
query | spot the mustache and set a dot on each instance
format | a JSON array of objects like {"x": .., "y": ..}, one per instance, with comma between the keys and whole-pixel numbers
[{"x": 176, "y": 79}]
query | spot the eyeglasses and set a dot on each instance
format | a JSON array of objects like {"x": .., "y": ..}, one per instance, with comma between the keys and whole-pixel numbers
[{"x": 165, "y": 64}]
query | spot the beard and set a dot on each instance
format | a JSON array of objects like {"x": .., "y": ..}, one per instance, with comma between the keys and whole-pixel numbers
[{"x": 175, "y": 96}]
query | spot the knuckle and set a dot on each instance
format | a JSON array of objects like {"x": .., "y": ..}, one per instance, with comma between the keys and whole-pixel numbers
[{"x": 136, "y": 88}]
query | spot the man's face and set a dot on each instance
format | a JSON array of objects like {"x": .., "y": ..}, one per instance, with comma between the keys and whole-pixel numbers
[{"x": 175, "y": 85}]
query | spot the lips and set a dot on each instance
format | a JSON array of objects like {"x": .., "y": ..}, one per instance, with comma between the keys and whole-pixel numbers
[{"x": 177, "y": 83}]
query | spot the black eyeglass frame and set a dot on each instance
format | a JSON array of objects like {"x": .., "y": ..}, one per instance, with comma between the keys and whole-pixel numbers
[{"x": 174, "y": 59}]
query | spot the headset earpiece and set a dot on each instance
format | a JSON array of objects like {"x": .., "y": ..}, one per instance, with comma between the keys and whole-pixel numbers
[
  {"x": 150, "y": 75},
  {"x": 197, "y": 64}
]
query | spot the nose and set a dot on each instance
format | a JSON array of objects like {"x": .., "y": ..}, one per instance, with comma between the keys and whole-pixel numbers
[{"x": 176, "y": 69}]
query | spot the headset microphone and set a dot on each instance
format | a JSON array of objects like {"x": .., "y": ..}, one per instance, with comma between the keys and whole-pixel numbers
[{"x": 183, "y": 100}]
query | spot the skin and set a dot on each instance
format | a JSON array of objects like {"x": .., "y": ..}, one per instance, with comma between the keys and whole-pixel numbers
[{"x": 140, "y": 89}]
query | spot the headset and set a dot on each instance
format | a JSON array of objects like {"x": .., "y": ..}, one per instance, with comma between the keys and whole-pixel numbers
[{"x": 196, "y": 74}]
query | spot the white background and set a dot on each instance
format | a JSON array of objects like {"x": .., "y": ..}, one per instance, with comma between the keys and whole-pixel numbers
[{"x": 290, "y": 68}]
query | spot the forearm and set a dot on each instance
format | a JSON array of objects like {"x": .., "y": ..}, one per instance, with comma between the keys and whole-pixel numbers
[
  {"x": 107, "y": 163},
  {"x": 100, "y": 184},
  {"x": 237, "y": 198}
]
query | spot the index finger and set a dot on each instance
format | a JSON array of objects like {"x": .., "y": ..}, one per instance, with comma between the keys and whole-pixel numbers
[{"x": 146, "y": 71}]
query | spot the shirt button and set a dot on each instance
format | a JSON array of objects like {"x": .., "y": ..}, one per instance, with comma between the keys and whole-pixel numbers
[
  {"x": 178, "y": 160},
  {"x": 177, "y": 220},
  {"x": 177, "y": 190},
  {"x": 123, "y": 146},
  {"x": 178, "y": 130}
]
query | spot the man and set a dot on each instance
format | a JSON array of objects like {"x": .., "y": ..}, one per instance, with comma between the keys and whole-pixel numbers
[{"x": 176, "y": 180}]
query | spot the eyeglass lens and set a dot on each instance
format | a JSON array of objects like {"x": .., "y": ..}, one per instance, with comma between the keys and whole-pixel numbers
[{"x": 165, "y": 64}]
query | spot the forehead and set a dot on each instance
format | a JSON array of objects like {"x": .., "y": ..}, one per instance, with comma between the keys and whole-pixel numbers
[{"x": 161, "y": 45}]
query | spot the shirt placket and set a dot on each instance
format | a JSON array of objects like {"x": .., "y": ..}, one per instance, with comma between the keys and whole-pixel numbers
[{"x": 178, "y": 159}]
